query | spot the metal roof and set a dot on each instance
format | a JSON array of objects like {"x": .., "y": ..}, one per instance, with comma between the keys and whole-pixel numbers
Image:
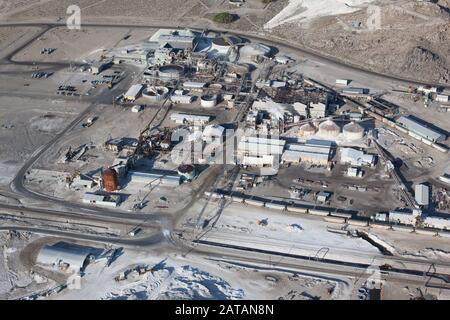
[
  {"x": 90, "y": 196},
  {"x": 63, "y": 252},
  {"x": 422, "y": 194},
  {"x": 134, "y": 90},
  {"x": 420, "y": 129},
  {"x": 148, "y": 177},
  {"x": 260, "y": 148}
]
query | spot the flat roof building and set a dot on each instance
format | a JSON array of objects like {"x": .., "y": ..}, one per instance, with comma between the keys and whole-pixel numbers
[
  {"x": 167, "y": 178},
  {"x": 133, "y": 93},
  {"x": 356, "y": 157},
  {"x": 422, "y": 194},
  {"x": 420, "y": 129},
  {"x": 105, "y": 200},
  {"x": 184, "y": 118}
]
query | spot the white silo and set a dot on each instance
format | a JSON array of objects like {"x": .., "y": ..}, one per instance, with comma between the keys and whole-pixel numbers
[
  {"x": 306, "y": 130},
  {"x": 329, "y": 129},
  {"x": 353, "y": 131}
]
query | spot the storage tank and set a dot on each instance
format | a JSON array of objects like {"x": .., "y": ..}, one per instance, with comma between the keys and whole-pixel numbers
[
  {"x": 171, "y": 71},
  {"x": 208, "y": 101},
  {"x": 186, "y": 171},
  {"x": 223, "y": 44},
  {"x": 110, "y": 180},
  {"x": 353, "y": 131},
  {"x": 329, "y": 129},
  {"x": 308, "y": 129},
  {"x": 155, "y": 93}
]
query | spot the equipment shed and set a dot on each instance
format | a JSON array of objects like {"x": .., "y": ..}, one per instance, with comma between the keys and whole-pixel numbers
[{"x": 67, "y": 256}]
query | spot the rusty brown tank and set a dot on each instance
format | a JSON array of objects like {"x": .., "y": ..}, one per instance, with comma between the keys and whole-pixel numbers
[{"x": 110, "y": 180}]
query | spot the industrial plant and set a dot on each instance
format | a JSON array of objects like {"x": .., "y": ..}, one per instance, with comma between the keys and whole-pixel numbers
[{"x": 184, "y": 159}]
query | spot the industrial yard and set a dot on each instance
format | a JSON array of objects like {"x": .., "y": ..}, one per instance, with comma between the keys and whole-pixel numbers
[{"x": 157, "y": 161}]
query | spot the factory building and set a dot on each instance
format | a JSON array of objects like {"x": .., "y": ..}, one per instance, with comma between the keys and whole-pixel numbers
[
  {"x": 139, "y": 54},
  {"x": 260, "y": 152},
  {"x": 301, "y": 109},
  {"x": 355, "y": 91},
  {"x": 101, "y": 199},
  {"x": 420, "y": 129},
  {"x": 134, "y": 92},
  {"x": 422, "y": 194},
  {"x": 82, "y": 181},
  {"x": 194, "y": 85},
  {"x": 291, "y": 156},
  {"x": 318, "y": 110},
  {"x": 213, "y": 132},
  {"x": 310, "y": 152},
  {"x": 99, "y": 66},
  {"x": 442, "y": 98},
  {"x": 184, "y": 118},
  {"x": 173, "y": 38},
  {"x": 165, "y": 178},
  {"x": 342, "y": 82},
  {"x": 404, "y": 217},
  {"x": 356, "y": 158},
  {"x": 260, "y": 161},
  {"x": 437, "y": 222},
  {"x": 181, "y": 99},
  {"x": 66, "y": 256},
  {"x": 121, "y": 165}
]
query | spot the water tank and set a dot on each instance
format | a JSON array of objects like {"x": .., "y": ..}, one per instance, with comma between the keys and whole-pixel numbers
[
  {"x": 329, "y": 129},
  {"x": 186, "y": 171},
  {"x": 353, "y": 131},
  {"x": 110, "y": 180},
  {"x": 308, "y": 129},
  {"x": 208, "y": 101},
  {"x": 171, "y": 71}
]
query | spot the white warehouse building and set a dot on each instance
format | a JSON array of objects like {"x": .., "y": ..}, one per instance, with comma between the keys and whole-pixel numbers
[{"x": 356, "y": 157}]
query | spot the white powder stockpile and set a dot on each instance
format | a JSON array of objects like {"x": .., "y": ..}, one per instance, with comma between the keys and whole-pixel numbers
[{"x": 305, "y": 10}]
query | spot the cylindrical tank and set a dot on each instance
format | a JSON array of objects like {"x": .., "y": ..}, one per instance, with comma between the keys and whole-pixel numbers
[
  {"x": 353, "y": 131},
  {"x": 171, "y": 71},
  {"x": 306, "y": 130},
  {"x": 223, "y": 44},
  {"x": 208, "y": 101},
  {"x": 110, "y": 180},
  {"x": 186, "y": 171},
  {"x": 329, "y": 129},
  {"x": 155, "y": 93}
]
